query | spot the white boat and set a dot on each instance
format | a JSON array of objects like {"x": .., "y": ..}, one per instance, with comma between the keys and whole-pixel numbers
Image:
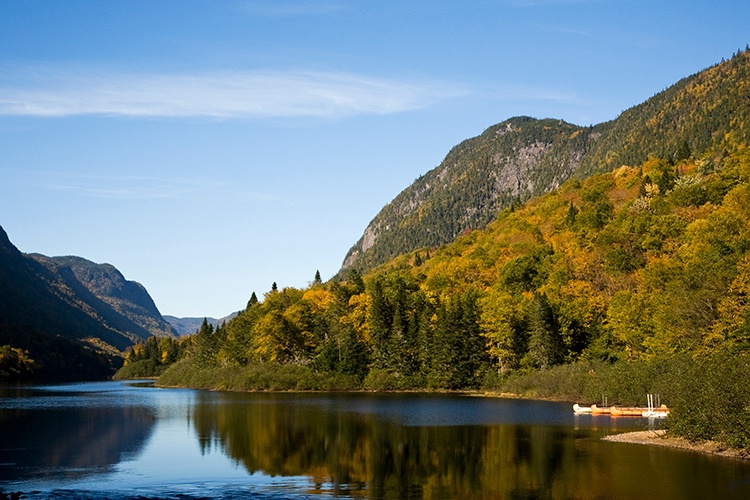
[
  {"x": 652, "y": 411},
  {"x": 581, "y": 409},
  {"x": 655, "y": 413}
]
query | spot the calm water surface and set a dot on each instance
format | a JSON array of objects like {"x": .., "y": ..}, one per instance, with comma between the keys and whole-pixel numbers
[{"x": 128, "y": 440}]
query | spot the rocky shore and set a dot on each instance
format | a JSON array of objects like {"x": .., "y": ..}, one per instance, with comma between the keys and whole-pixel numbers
[{"x": 662, "y": 438}]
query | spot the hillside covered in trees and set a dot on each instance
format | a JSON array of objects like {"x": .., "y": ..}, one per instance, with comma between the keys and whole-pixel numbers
[
  {"x": 66, "y": 317},
  {"x": 524, "y": 157}
]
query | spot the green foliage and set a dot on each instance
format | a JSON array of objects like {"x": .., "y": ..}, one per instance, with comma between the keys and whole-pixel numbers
[
  {"x": 526, "y": 272},
  {"x": 30, "y": 355},
  {"x": 15, "y": 364},
  {"x": 206, "y": 344},
  {"x": 708, "y": 396},
  {"x": 653, "y": 279},
  {"x": 546, "y": 346},
  {"x": 254, "y": 377},
  {"x": 712, "y": 399},
  {"x": 457, "y": 353},
  {"x": 149, "y": 359},
  {"x": 386, "y": 380},
  {"x": 504, "y": 324},
  {"x": 624, "y": 383},
  {"x": 143, "y": 368}
]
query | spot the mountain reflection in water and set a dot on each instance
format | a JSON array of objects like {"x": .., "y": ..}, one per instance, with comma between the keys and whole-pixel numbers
[
  {"x": 71, "y": 442},
  {"x": 63, "y": 441}
]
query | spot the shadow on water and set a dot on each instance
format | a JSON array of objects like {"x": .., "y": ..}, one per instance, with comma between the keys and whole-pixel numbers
[{"x": 59, "y": 442}]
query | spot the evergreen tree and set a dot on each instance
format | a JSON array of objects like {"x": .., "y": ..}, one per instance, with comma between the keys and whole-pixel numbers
[
  {"x": 570, "y": 219},
  {"x": 206, "y": 344},
  {"x": 353, "y": 357},
  {"x": 683, "y": 152},
  {"x": 457, "y": 348},
  {"x": 546, "y": 347},
  {"x": 380, "y": 321},
  {"x": 355, "y": 279},
  {"x": 253, "y": 301}
]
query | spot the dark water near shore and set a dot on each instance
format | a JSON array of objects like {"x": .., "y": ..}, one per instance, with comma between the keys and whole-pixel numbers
[{"x": 128, "y": 440}]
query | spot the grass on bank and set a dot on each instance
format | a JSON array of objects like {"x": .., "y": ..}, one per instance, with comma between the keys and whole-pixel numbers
[
  {"x": 255, "y": 377},
  {"x": 622, "y": 383},
  {"x": 145, "y": 368}
]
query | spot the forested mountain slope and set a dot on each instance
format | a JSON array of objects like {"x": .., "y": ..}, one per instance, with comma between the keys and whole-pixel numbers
[
  {"x": 508, "y": 163},
  {"x": 523, "y": 157},
  {"x": 129, "y": 307},
  {"x": 706, "y": 111},
  {"x": 63, "y": 310}
]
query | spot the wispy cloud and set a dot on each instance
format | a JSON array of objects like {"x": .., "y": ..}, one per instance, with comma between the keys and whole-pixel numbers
[{"x": 249, "y": 94}]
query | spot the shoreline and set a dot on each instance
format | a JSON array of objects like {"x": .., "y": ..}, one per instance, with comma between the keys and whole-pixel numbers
[{"x": 662, "y": 438}]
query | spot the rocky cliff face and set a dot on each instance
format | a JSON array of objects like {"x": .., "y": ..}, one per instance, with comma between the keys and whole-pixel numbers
[{"x": 507, "y": 164}]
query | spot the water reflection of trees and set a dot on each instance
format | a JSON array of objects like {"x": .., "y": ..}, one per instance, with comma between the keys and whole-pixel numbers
[{"x": 350, "y": 453}]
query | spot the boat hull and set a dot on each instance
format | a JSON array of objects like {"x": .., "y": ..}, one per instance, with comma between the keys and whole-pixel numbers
[
  {"x": 636, "y": 411},
  {"x": 597, "y": 410},
  {"x": 581, "y": 409}
]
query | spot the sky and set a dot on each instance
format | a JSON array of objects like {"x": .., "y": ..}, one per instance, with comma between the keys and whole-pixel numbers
[{"x": 208, "y": 149}]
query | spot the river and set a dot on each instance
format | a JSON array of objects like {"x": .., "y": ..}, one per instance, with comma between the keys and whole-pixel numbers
[{"x": 122, "y": 440}]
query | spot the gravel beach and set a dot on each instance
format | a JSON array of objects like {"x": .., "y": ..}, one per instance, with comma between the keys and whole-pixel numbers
[{"x": 662, "y": 438}]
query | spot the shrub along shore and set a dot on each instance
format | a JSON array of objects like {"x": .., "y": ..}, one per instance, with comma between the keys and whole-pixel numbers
[{"x": 708, "y": 396}]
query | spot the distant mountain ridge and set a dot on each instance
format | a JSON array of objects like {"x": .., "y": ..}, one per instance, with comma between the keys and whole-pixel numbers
[
  {"x": 524, "y": 157},
  {"x": 188, "y": 326}
]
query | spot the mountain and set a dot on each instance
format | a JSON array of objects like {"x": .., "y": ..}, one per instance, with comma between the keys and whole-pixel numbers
[
  {"x": 64, "y": 310},
  {"x": 512, "y": 161},
  {"x": 524, "y": 157},
  {"x": 709, "y": 110},
  {"x": 188, "y": 326},
  {"x": 126, "y": 304}
]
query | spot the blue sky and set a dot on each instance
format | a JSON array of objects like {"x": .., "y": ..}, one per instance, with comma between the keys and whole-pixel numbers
[{"x": 210, "y": 148}]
